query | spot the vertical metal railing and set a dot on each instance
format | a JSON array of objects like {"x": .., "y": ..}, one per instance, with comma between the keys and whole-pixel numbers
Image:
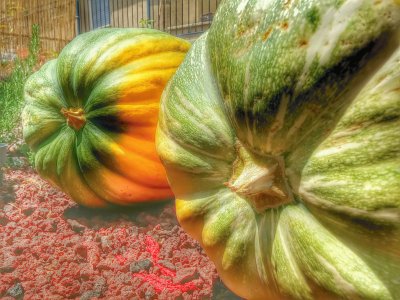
[
  {"x": 178, "y": 17},
  {"x": 57, "y": 23}
]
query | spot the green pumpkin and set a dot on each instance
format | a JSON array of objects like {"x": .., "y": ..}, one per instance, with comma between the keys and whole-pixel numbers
[
  {"x": 91, "y": 115},
  {"x": 280, "y": 134}
]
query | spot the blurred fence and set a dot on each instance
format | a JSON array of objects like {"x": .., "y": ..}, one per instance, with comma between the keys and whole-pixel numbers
[
  {"x": 61, "y": 20},
  {"x": 179, "y": 17},
  {"x": 56, "y": 20}
]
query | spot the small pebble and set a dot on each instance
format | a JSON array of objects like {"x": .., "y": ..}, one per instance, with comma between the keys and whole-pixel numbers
[{"x": 140, "y": 265}]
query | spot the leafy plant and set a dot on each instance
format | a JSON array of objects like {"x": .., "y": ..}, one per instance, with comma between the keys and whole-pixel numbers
[
  {"x": 11, "y": 91},
  {"x": 146, "y": 23}
]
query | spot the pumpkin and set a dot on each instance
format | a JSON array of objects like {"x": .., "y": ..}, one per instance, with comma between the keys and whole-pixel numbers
[
  {"x": 280, "y": 134},
  {"x": 91, "y": 115}
]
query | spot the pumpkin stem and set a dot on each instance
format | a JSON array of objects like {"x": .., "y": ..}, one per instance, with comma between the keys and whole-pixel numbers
[
  {"x": 75, "y": 117},
  {"x": 260, "y": 180}
]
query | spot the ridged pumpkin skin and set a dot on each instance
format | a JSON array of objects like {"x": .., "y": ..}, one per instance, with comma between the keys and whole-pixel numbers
[
  {"x": 91, "y": 115},
  {"x": 280, "y": 133}
]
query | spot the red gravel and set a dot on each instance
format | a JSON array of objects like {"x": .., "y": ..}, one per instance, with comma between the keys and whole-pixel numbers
[{"x": 51, "y": 248}]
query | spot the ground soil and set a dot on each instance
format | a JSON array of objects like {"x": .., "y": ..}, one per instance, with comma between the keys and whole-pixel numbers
[{"x": 51, "y": 248}]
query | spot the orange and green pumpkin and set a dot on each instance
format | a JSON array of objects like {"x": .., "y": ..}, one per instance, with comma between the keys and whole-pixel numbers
[
  {"x": 91, "y": 114},
  {"x": 280, "y": 133}
]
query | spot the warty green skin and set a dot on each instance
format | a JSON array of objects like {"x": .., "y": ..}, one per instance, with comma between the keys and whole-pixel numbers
[{"x": 316, "y": 83}]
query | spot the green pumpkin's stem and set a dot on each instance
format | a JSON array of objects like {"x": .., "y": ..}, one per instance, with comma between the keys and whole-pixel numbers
[
  {"x": 260, "y": 180},
  {"x": 75, "y": 117}
]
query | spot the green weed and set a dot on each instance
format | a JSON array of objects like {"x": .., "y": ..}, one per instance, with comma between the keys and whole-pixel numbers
[
  {"x": 12, "y": 97},
  {"x": 12, "y": 92}
]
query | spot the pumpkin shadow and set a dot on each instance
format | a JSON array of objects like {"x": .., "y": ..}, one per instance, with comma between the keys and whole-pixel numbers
[
  {"x": 140, "y": 215},
  {"x": 7, "y": 192},
  {"x": 221, "y": 292}
]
